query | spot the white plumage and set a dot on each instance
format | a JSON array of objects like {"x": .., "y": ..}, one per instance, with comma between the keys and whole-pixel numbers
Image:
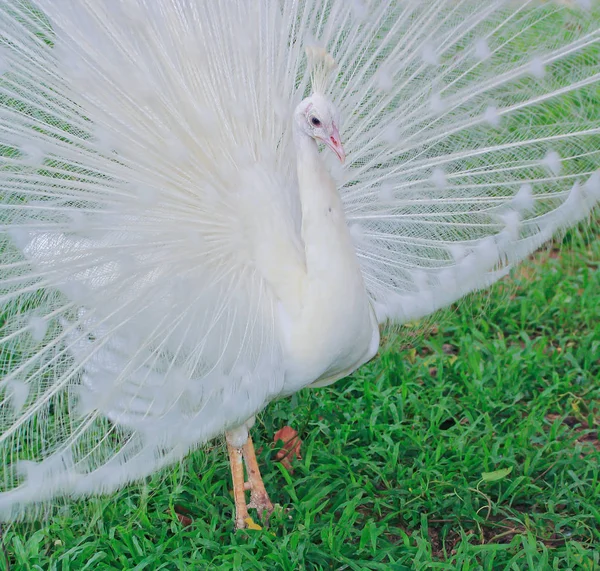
[{"x": 175, "y": 251}]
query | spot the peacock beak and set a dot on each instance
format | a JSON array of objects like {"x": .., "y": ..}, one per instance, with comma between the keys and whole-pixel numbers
[{"x": 335, "y": 144}]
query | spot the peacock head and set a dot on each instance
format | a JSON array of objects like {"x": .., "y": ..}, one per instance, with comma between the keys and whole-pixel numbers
[{"x": 318, "y": 118}]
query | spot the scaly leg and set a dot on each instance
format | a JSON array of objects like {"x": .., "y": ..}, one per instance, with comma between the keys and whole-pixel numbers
[
  {"x": 259, "y": 499},
  {"x": 237, "y": 475}
]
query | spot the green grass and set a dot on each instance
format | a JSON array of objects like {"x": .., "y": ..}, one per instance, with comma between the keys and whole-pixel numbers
[{"x": 392, "y": 458}]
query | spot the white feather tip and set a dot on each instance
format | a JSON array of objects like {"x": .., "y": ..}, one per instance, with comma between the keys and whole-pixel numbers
[{"x": 321, "y": 66}]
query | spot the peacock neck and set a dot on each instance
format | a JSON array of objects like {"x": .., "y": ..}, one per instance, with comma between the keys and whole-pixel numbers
[
  {"x": 325, "y": 234},
  {"x": 335, "y": 331}
]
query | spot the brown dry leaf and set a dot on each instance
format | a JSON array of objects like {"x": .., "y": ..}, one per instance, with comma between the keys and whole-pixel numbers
[
  {"x": 291, "y": 447},
  {"x": 183, "y": 519}
]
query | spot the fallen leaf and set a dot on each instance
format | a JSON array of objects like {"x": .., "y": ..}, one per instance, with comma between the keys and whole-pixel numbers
[
  {"x": 290, "y": 449},
  {"x": 183, "y": 519},
  {"x": 496, "y": 475},
  {"x": 251, "y": 524}
]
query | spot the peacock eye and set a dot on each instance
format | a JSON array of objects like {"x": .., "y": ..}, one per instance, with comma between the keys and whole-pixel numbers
[{"x": 316, "y": 122}]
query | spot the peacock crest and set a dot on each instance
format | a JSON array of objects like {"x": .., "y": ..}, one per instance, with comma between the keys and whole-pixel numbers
[{"x": 321, "y": 67}]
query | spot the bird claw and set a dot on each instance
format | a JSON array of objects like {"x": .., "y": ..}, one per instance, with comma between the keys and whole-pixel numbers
[
  {"x": 259, "y": 499},
  {"x": 262, "y": 504}
]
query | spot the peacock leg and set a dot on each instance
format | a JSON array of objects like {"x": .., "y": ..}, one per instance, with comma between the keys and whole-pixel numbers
[
  {"x": 259, "y": 499},
  {"x": 237, "y": 475}
]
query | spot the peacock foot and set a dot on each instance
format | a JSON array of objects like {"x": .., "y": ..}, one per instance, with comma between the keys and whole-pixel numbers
[
  {"x": 259, "y": 499},
  {"x": 237, "y": 475}
]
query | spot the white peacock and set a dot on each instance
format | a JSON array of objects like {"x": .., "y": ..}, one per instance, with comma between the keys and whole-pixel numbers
[{"x": 176, "y": 252}]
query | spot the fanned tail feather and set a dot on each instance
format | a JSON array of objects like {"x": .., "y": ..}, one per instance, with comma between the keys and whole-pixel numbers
[
  {"x": 472, "y": 136},
  {"x": 136, "y": 326}
]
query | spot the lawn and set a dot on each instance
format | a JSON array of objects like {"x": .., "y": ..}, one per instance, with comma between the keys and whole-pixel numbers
[{"x": 470, "y": 442}]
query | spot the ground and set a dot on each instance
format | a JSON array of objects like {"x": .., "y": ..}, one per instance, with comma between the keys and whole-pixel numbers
[{"x": 470, "y": 442}]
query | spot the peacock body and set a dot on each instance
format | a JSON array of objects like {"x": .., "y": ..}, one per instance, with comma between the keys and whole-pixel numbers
[{"x": 175, "y": 254}]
